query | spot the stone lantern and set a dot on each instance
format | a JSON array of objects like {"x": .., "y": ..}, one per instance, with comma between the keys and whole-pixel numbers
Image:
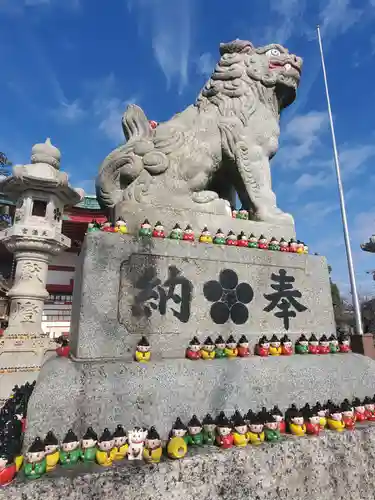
[{"x": 40, "y": 191}]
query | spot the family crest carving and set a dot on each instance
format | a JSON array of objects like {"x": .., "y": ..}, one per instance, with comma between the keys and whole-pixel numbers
[{"x": 224, "y": 141}]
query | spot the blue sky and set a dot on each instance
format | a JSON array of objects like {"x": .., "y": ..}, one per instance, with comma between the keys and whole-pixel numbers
[{"x": 69, "y": 68}]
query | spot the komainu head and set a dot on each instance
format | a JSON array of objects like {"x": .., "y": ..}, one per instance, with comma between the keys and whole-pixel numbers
[{"x": 241, "y": 64}]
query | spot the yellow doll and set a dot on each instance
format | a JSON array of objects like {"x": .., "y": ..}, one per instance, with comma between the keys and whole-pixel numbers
[
  {"x": 120, "y": 444},
  {"x": 51, "y": 446},
  {"x": 208, "y": 349},
  {"x": 152, "y": 451},
  {"x": 106, "y": 453},
  {"x": 143, "y": 352}
]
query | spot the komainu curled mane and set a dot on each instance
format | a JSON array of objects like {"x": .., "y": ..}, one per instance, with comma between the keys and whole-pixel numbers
[{"x": 224, "y": 141}]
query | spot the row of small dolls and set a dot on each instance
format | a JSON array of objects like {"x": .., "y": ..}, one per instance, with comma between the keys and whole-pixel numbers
[
  {"x": 220, "y": 238},
  {"x": 240, "y": 430},
  {"x": 264, "y": 347}
]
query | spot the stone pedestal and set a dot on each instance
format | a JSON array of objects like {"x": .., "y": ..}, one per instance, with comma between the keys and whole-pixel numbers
[
  {"x": 135, "y": 214},
  {"x": 170, "y": 290},
  {"x": 332, "y": 466}
]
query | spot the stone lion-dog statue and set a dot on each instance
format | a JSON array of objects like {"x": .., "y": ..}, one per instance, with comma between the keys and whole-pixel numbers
[{"x": 223, "y": 142}]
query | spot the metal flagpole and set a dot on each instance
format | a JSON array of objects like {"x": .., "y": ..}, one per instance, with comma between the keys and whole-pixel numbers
[{"x": 357, "y": 309}]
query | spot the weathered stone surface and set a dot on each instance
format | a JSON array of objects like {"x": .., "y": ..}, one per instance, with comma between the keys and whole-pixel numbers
[
  {"x": 332, "y": 466},
  {"x": 136, "y": 213},
  {"x": 107, "y": 321},
  {"x": 223, "y": 142},
  {"x": 71, "y": 394}
]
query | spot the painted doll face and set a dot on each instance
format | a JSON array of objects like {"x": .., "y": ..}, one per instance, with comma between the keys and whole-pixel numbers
[
  {"x": 88, "y": 443},
  {"x": 256, "y": 428},
  {"x": 278, "y": 418},
  {"x": 336, "y": 416},
  {"x": 179, "y": 432},
  {"x": 253, "y": 239},
  {"x": 153, "y": 443},
  {"x": 348, "y": 413},
  {"x": 188, "y": 231},
  {"x": 107, "y": 224},
  {"x": 263, "y": 241},
  {"x": 322, "y": 413},
  {"x": 324, "y": 343},
  {"x": 208, "y": 347},
  {"x": 297, "y": 420},
  {"x": 136, "y": 436},
  {"x": 370, "y": 407},
  {"x": 315, "y": 419},
  {"x": 284, "y": 244},
  {"x": 314, "y": 343},
  {"x": 50, "y": 448},
  {"x": 209, "y": 427},
  {"x": 231, "y": 345},
  {"x": 106, "y": 445},
  {"x": 293, "y": 245},
  {"x": 194, "y": 430},
  {"x": 220, "y": 346},
  {"x": 35, "y": 457},
  {"x": 241, "y": 429},
  {"x": 346, "y": 343},
  {"x": 304, "y": 343},
  {"x": 159, "y": 228},
  {"x": 120, "y": 223},
  {"x": 195, "y": 347},
  {"x": 360, "y": 409},
  {"x": 245, "y": 345},
  {"x": 120, "y": 441},
  {"x": 335, "y": 342},
  {"x": 275, "y": 344},
  {"x": 220, "y": 235},
  {"x": 70, "y": 446},
  {"x": 3, "y": 462},
  {"x": 288, "y": 345},
  {"x": 224, "y": 431},
  {"x": 265, "y": 345},
  {"x": 146, "y": 226},
  {"x": 272, "y": 425},
  {"x": 143, "y": 348}
]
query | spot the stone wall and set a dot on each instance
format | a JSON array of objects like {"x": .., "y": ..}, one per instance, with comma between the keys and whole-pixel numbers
[{"x": 331, "y": 466}]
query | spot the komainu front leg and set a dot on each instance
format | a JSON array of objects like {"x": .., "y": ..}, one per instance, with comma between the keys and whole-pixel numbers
[{"x": 254, "y": 169}]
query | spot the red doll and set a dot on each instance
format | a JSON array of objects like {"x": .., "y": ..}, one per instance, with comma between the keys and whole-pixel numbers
[{"x": 194, "y": 349}]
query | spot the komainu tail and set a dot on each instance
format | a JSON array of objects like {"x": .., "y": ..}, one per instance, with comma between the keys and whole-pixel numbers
[
  {"x": 108, "y": 190},
  {"x": 135, "y": 124}
]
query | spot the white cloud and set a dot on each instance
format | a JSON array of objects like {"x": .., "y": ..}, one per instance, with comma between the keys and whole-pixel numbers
[
  {"x": 110, "y": 111},
  {"x": 205, "y": 64},
  {"x": 337, "y": 16},
  {"x": 290, "y": 13},
  {"x": 364, "y": 226},
  {"x": 170, "y": 34},
  {"x": 301, "y": 137},
  {"x": 309, "y": 181},
  {"x": 69, "y": 112},
  {"x": 20, "y": 7},
  {"x": 315, "y": 211}
]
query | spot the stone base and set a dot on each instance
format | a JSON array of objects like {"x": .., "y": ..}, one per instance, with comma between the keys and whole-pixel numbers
[
  {"x": 21, "y": 357},
  {"x": 135, "y": 214},
  {"x": 72, "y": 394},
  {"x": 169, "y": 291},
  {"x": 334, "y": 465}
]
